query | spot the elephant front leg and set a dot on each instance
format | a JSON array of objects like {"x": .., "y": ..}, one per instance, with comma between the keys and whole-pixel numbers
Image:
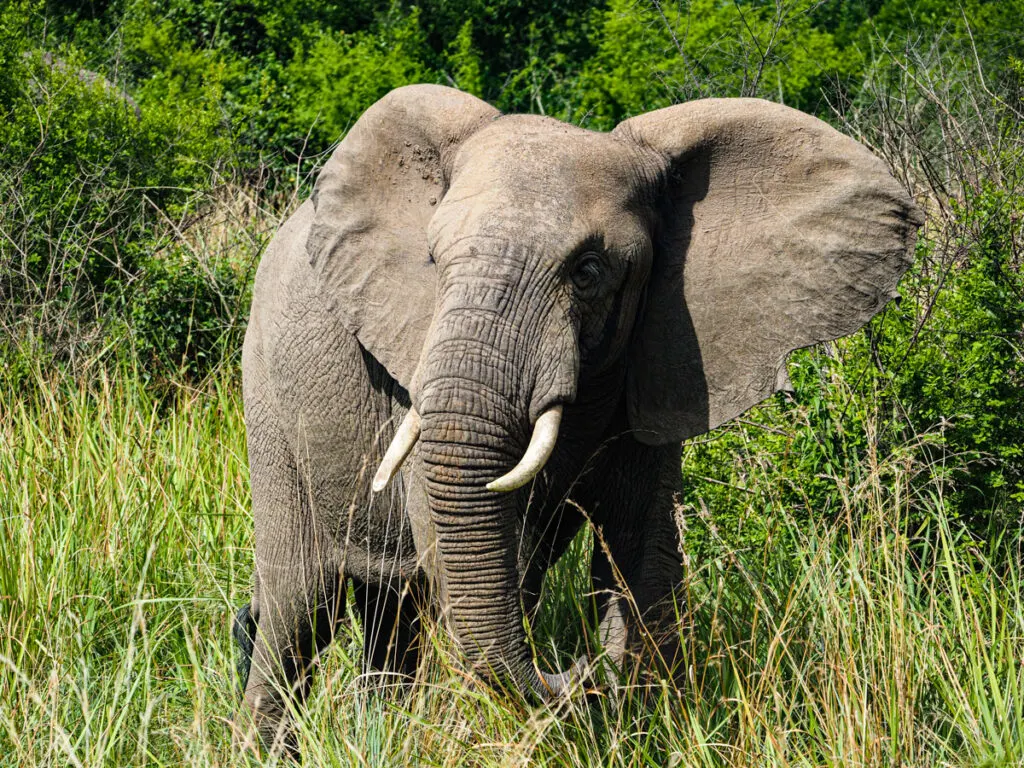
[
  {"x": 640, "y": 610},
  {"x": 294, "y": 618},
  {"x": 298, "y": 593},
  {"x": 637, "y": 566}
]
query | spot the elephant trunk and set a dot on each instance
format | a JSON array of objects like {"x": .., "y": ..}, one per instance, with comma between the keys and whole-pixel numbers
[
  {"x": 469, "y": 436},
  {"x": 477, "y": 532}
]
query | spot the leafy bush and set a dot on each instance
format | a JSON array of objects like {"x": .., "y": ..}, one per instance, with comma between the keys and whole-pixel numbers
[
  {"x": 956, "y": 357},
  {"x": 184, "y": 318},
  {"x": 88, "y": 165},
  {"x": 464, "y": 61},
  {"x": 341, "y": 74},
  {"x": 655, "y": 54},
  {"x": 71, "y": 152},
  {"x": 93, "y": 178}
]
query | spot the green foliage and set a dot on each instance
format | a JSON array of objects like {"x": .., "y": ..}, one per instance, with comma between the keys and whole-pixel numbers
[
  {"x": 84, "y": 160},
  {"x": 184, "y": 317},
  {"x": 531, "y": 50},
  {"x": 464, "y": 61},
  {"x": 93, "y": 176},
  {"x": 341, "y": 74},
  {"x": 71, "y": 149},
  {"x": 655, "y": 54},
  {"x": 796, "y": 452},
  {"x": 955, "y": 353}
]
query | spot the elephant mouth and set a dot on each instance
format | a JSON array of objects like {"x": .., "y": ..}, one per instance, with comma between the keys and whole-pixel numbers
[{"x": 541, "y": 446}]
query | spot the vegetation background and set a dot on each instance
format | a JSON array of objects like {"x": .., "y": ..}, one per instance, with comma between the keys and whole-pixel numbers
[{"x": 854, "y": 549}]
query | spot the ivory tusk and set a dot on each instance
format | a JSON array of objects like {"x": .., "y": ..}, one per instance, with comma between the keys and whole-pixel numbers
[
  {"x": 559, "y": 684},
  {"x": 405, "y": 438},
  {"x": 542, "y": 443}
]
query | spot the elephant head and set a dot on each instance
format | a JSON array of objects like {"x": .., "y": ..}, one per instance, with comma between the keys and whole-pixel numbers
[{"x": 507, "y": 269}]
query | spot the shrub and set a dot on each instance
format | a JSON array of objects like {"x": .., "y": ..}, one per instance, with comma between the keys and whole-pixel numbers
[
  {"x": 93, "y": 178},
  {"x": 955, "y": 354},
  {"x": 184, "y": 316},
  {"x": 330, "y": 83},
  {"x": 655, "y": 54}
]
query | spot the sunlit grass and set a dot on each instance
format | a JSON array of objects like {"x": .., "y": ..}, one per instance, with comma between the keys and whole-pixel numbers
[{"x": 125, "y": 546}]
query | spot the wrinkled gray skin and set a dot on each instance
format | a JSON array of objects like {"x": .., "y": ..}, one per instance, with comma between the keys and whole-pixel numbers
[{"x": 486, "y": 268}]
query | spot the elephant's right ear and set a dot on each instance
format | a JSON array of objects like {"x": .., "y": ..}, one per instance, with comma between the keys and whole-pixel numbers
[{"x": 372, "y": 201}]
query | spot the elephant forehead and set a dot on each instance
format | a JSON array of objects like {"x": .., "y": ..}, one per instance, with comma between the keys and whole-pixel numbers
[
  {"x": 526, "y": 174},
  {"x": 528, "y": 154}
]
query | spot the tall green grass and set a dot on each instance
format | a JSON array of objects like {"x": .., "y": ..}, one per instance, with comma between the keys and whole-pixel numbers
[{"x": 124, "y": 547}]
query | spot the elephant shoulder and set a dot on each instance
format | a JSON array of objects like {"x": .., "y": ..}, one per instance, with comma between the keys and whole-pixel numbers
[
  {"x": 289, "y": 315},
  {"x": 295, "y": 341},
  {"x": 283, "y": 267}
]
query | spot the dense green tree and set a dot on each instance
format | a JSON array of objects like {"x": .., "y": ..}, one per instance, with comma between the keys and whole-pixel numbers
[
  {"x": 654, "y": 54},
  {"x": 330, "y": 83}
]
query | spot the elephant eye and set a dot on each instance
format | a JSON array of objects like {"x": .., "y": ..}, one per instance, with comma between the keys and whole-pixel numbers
[{"x": 588, "y": 272}]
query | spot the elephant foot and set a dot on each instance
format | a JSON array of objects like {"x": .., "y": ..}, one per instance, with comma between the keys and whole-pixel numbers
[{"x": 260, "y": 728}]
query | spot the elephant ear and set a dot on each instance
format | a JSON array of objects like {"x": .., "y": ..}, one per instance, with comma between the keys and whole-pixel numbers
[
  {"x": 775, "y": 232},
  {"x": 372, "y": 202}
]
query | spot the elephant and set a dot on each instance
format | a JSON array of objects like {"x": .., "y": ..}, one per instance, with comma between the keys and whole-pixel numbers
[{"x": 483, "y": 331}]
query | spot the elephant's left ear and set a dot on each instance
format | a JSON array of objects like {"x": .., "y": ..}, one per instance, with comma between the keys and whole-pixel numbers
[
  {"x": 775, "y": 232},
  {"x": 373, "y": 201}
]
